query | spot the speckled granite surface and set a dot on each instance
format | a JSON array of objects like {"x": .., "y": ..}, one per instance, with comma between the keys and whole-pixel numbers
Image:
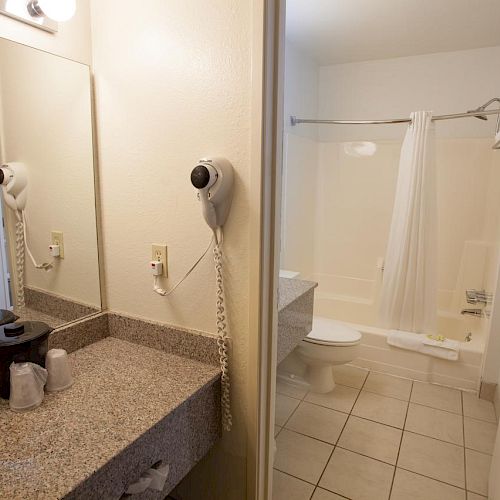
[
  {"x": 74, "y": 336},
  {"x": 191, "y": 344},
  {"x": 295, "y": 313},
  {"x": 290, "y": 290},
  {"x": 28, "y": 314},
  {"x": 52, "y": 309},
  {"x": 129, "y": 407}
]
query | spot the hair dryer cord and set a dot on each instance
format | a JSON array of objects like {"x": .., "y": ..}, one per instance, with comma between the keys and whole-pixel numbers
[{"x": 222, "y": 342}]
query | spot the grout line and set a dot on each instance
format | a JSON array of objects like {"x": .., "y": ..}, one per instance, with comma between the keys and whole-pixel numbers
[
  {"x": 434, "y": 438},
  {"x": 366, "y": 456},
  {"x": 386, "y": 396},
  {"x": 463, "y": 436},
  {"x": 291, "y": 475},
  {"x": 340, "y": 434},
  {"x": 290, "y": 416},
  {"x": 403, "y": 430},
  {"x": 401, "y": 440},
  {"x": 433, "y": 478}
]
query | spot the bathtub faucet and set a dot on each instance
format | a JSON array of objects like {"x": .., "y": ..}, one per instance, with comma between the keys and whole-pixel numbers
[{"x": 473, "y": 312}]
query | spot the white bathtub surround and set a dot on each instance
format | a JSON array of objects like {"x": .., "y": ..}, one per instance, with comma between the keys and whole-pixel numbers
[
  {"x": 409, "y": 286},
  {"x": 439, "y": 348}
]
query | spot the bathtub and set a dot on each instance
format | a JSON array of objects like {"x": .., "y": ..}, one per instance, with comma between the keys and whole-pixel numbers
[{"x": 377, "y": 355}]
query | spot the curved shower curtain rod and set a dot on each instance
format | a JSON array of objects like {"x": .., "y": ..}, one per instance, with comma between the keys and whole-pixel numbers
[{"x": 478, "y": 113}]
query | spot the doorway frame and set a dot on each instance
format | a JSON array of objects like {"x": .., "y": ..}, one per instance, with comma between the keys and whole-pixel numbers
[{"x": 265, "y": 191}]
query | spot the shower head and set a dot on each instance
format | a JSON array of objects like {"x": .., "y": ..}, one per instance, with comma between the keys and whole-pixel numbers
[
  {"x": 496, "y": 144},
  {"x": 483, "y": 107}
]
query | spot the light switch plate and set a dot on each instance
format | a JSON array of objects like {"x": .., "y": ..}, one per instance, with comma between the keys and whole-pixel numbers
[
  {"x": 159, "y": 253},
  {"x": 57, "y": 238}
]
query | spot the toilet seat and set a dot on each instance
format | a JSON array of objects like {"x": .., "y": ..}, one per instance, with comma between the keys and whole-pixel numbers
[{"x": 327, "y": 331}]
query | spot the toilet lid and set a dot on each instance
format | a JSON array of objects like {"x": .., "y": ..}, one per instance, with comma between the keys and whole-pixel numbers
[{"x": 330, "y": 332}]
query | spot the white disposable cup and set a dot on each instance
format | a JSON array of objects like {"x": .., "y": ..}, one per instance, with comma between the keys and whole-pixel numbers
[
  {"x": 59, "y": 368},
  {"x": 26, "y": 386}
]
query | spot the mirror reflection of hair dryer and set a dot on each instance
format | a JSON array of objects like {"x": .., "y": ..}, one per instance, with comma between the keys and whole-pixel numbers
[{"x": 14, "y": 182}]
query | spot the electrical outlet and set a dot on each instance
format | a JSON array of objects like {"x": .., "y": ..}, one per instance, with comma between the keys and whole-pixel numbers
[
  {"x": 56, "y": 238},
  {"x": 159, "y": 253}
]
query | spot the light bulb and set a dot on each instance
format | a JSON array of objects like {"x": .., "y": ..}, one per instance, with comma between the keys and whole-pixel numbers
[{"x": 57, "y": 10}]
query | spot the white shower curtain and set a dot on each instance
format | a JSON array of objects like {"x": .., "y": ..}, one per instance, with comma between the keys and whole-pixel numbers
[{"x": 409, "y": 287}]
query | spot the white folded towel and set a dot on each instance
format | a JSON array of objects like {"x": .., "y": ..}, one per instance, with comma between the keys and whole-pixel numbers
[{"x": 419, "y": 342}]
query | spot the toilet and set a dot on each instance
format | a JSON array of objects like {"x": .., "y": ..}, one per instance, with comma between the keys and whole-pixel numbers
[{"x": 328, "y": 344}]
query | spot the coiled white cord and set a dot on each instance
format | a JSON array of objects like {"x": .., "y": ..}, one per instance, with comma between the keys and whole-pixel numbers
[
  {"x": 222, "y": 341},
  {"x": 20, "y": 263},
  {"x": 222, "y": 334}
]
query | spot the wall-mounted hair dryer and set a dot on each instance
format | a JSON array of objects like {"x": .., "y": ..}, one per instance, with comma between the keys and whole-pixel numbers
[
  {"x": 213, "y": 178},
  {"x": 14, "y": 181}
]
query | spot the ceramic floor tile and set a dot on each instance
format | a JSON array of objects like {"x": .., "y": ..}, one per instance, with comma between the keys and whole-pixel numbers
[
  {"x": 478, "y": 469},
  {"x": 317, "y": 422},
  {"x": 371, "y": 438},
  {"x": 301, "y": 456},
  {"x": 349, "y": 375},
  {"x": 291, "y": 390},
  {"x": 342, "y": 398},
  {"x": 382, "y": 409},
  {"x": 408, "y": 485},
  {"x": 432, "y": 458},
  {"x": 479, "y": 435},
  {"x": 355, "y": 476},
  {"x": 388, "y": 385},
  {"x": 321, "y": 494},
  {"x": 285, "y": 406},
  {"x": 286, "y": 487},
  {"x": 435, "y": 423},
  {"x": 478, "y": 408},
  {"x": 437, "y": 396},
  {"x": 474, "y": 496}
]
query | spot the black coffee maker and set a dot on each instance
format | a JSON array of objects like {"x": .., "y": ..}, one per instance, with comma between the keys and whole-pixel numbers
[{"x": 21, "y": 342}]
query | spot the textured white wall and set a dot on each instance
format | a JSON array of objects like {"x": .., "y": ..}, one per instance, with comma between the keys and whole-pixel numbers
[
  {"x": 448, "y": 82},
  {"x": 71, "y": 41},
  {"x": 347, "y": 214},
  {"x": 47, "y": 125},
  {"x": 172, "y": 86},
  {"x": 301, "y": 91},
  {"x": 300, "y": 163}
]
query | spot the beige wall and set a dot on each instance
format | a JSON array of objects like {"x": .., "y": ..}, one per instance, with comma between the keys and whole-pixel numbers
[
  {"x": 173, "y": 85},
  {"x": 47, "y": 125},
  {"x": 71, "y": 41}
]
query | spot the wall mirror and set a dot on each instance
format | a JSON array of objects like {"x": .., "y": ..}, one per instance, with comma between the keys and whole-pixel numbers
[{"x": 48, "y": 242}]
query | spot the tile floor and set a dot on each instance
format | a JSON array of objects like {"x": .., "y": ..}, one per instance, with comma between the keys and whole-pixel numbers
[{"x": 379, "y": 437}]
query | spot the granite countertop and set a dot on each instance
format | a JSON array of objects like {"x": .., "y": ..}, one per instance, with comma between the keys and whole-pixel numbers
[
  {"x": 295, "y": 313},
  {"x": 290, "y": 289},
  {"x": 28, "y": 314},
  {"x": 121, "y": 391}
]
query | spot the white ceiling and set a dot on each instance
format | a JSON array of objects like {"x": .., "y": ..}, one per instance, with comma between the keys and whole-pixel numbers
[{"x": 341, "y": 31}]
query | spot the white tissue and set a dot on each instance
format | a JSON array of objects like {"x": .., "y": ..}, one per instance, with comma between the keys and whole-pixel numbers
[{"x": 153, "y": 479}]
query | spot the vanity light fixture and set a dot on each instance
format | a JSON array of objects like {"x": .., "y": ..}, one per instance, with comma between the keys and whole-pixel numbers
[
  {"x": 43, "y": 14},
  {"x": 57, "y": 10}
]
